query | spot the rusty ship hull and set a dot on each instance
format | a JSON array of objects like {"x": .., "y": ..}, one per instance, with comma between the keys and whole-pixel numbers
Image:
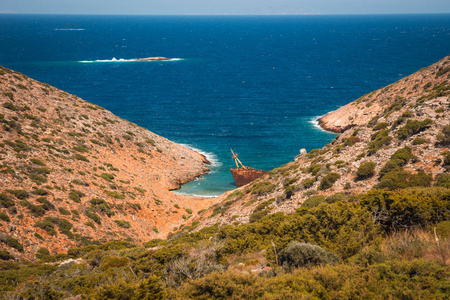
[{"x": 245, "y": 175}]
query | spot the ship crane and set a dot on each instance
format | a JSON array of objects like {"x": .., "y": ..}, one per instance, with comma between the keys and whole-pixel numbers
[{"x": 237, "y": 160}]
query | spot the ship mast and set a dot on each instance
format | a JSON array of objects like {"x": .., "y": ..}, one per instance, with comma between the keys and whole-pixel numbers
[{"x": 236, "y": 160}]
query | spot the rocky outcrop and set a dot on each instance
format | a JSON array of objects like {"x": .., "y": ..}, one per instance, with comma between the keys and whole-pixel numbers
[{"x": 361, "y": 111}]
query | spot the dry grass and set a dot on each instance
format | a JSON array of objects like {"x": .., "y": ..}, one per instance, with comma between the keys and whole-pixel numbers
[{"x": 418, "y": 243}]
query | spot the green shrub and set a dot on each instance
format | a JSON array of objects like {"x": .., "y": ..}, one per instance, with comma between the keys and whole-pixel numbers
[
  {"x": 38, "y": 179},
  {"x": 40, "y": 192},
  {"x": 443, "y": 229},
  {"x": 6, "y": 201},
  {"x": 48, "y": 225},
  {"x": 81, "y": 149},
  {"x": 35, "y": 210},
  {"x": 45, "y": 203},
  {"x": 391, "y": 165},
  {"x": 395, "y": 179},
  {"x": 366, "y": 170},
  {"x": 379, "y": 126},
  {"x": 9, "y": 106},
  {"x": 443, "y": 180},
  {"x": 400, "y": 158},
  {"x": 314, "y": 169},
  {"x": 262, "y": 188},
  {"x": 444, "y": 136},
  {"x": 90, "y": 224},
  {"x": 298, "y": 254},
  {"x": 39, "y": 236},
  {"x": 76, "y": 195},
  {"x": 313, "y": 201},
  {"x": 289, "y": 191},
  {"x": 63, "y": 211},
  {"x": 20, "y": 194},
  {"x": 140, "y": 190},
  {"x": 10, "y": 241},
  {"x": 97, "y": 201},
  {"x": 352, "y": 140},
  {"x": 5, "y": 255},
  {"x": 123, "y": 224},
  {"x": 404, "y": 154},
  {"x": 447, "y": 159},
  {"x": 378, "y": 140},
  {"x": 42, "y": 252},
  {"x": 107, "y": 177},
  {"x": 258, "y": 215},
  {"x": 80, "y": 182},
  {"x": 114, "y": 194},
  {"x": 221, "y": 209},
  {"x": 308, "y": 183},
  {"x": 18, "y": 145},
  {"x": 37, "y": 161},
  {"x": 109, "y": 262},
  {"x": 336, "y": 197},
  {"x": 419, "y": 141},
  {"x": 94, "y": 217},
  {"x": 328, "y": 181},
  {"x": 420, "y": 179},
  {"x": 407, "y": 208},
  {"x": 4, "y": 217},
  {"x": 413, "y": 127},
  {"x": 81, "y": 157}
]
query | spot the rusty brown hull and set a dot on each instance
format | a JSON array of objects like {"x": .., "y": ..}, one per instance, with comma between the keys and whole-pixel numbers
[{"x": 243, "y": 176}]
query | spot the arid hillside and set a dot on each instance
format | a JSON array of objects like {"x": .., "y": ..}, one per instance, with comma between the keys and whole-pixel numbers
[
  {"x": 72, "y": 173},
  {"x": 392, "y": 138}
]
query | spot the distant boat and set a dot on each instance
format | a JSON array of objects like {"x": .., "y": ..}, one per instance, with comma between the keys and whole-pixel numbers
[{"x": 243, "y": 174}]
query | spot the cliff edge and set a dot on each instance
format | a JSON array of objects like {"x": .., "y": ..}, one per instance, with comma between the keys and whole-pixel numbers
[{"x": 361, "y": 111}]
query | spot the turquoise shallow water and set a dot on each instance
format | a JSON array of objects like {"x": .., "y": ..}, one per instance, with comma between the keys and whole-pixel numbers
[{"x": 253, "y": 84}]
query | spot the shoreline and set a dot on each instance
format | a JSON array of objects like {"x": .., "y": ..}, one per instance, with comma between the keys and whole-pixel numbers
[{"x": 323, "y": 122}]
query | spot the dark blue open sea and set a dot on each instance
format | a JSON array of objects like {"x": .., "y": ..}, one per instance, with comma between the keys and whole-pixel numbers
[{"x": 251, "y": 83}]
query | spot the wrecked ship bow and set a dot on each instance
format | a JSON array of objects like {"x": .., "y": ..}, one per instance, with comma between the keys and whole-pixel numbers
[{"x": 244, "y": 174}]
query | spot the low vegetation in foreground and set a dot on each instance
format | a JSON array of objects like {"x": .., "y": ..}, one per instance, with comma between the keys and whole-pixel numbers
[{"x": 380, "y": 244}]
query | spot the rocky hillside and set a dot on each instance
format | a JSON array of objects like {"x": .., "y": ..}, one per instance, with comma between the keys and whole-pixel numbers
[
  {"x": 72, "y": 173},
  {"x": 394, "y": 137}
]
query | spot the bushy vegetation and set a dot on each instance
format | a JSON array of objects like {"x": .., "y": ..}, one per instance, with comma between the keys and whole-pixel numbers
[
  {"x": 443, "y": 180},
  {"x": 123, "y": 224},
  {"x": 444, "y": 136},
  {"x": 313, "y": 201},
  {"x": 395, "y": 210},
  {"x": 261, "y": 188},
  {"x": 328, "y": 180},
  {"x": 413, "y": 127},
  {"x": 298, "y": 254},
  {"x": 379, "y": 139},
  {"x": 366, "y": 170},
  {"x": 333, "y": 248}
]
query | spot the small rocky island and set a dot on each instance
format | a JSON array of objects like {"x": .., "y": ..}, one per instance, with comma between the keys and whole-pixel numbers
[{"x": 153, "y": 58}]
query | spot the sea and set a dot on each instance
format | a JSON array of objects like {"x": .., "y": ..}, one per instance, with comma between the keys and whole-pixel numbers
[{"x": 254, "y": 84}]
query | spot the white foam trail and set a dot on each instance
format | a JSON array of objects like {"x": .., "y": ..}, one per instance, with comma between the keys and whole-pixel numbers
[
  {"x": 120, "y": 60},
  {"x": 211, "y": 157},
  {"x": 114, "y": 60},
  {"x": 197, "y": 195},
  {"x": 315, "y": 122},
  {"x": 70, "y": 29}
]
